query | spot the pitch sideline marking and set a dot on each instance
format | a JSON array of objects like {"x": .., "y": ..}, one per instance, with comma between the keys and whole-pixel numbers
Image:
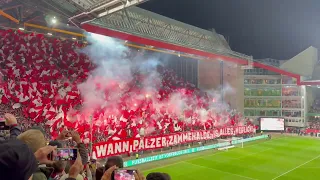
[
  {"x": 296, "y": 167},
  {"x": 244, "y": 156},
  {"x": 199, "y": 157},
  {"x": 226, "y": 172}
]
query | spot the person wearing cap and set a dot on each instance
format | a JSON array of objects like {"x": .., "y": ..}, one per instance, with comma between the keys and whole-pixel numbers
[{"x": 17, "y": 160}]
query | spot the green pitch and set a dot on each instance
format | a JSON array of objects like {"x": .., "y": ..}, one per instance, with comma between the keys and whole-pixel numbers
[{"x": 284, "y": 157}]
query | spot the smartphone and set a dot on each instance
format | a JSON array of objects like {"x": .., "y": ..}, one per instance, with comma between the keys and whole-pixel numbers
[
  {"x": 3, "y": 124},
  {"x": 64, "y": 154},
  {"x": 124, "y": 174}
]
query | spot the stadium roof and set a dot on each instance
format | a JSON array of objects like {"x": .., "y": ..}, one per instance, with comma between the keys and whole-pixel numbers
[
  {"x": 147, "y": 24},
  {"x": 73, "y": 11}
]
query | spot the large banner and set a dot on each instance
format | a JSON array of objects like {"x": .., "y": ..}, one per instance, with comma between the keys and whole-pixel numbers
[{"x": 110, "y": 148}]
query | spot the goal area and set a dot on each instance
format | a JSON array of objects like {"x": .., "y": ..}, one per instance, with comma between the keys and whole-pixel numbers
[{"x": 230, "y": 143}]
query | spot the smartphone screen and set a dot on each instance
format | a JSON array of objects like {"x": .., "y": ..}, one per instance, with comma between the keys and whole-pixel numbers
[
  {"x": 124, "y": 174},
  {"x": 65, "y": 154},
  {"x": 3, "y": 125}
]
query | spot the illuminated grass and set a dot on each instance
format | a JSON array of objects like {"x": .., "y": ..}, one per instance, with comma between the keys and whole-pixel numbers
[{"x": 290, "y": 158}]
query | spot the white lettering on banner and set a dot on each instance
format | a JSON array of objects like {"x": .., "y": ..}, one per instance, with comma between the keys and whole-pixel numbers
[
  {"x": 158, "y": 142},
  {"x": 150, "y": 143},
  {"x": 175, "y": 139},
  {"x": 180, "y": 139},
  {"x": 125, "y": 146},
  {"x": 222, "y": 132},
  {"x": 164, "y": 142},
  {"x": 170, "y": 140},
  {"x": 193, "y": 136},
  {"x": 236, "y": 130},
  {"x": 118, "y": 147},
  {"x": 185, "y": 137},
  {"x": 135, "y": 144},
  {"x": 216, "y": 133},
  {"x": 189, "y": 136},
  {"x": 101, "y": 150},
  {"x": 141, "y": 144},
  {"x": 147, "y": 143},
  {"x": 110, "y": 148}
]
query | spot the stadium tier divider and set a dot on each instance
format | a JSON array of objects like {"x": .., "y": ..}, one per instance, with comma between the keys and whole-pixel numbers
[{"x": 234, "y": 141}]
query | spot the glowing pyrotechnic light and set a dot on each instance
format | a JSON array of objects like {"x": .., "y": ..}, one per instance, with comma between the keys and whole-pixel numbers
[
  {"x": 135, "y": 104},
  {"x": 147, "y": 95},
  {"x": 213, "y": 100}
]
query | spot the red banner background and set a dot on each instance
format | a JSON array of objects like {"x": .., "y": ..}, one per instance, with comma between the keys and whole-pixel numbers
[{"x": 110, "y": 148}]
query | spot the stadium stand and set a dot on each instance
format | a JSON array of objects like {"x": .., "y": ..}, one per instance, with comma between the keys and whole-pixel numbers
[{"x": 39, "y": 85}]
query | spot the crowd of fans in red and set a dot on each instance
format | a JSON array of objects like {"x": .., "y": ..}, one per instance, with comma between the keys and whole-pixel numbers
[
  {"x": 39, "y": 78},
  {"x": 314, "y": 121}
]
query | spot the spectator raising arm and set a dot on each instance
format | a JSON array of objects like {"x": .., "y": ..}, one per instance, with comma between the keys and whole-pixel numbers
[
  {"x": 89, "y": 174},
  {"x": 15, "y": 130},
  {"x": 75, "y": 169},
  {"x": 81, "y": 147}
]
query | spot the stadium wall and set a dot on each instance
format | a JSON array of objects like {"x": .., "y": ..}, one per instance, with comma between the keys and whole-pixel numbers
[{"x": 187, "y": 151}]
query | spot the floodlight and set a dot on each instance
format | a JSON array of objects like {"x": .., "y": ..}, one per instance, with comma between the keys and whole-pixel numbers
[{"x": 54, "y": 21}]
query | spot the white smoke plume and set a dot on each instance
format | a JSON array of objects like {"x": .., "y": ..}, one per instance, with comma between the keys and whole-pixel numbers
[
  {"x": 115, "y": 70},
  {"x": 110, "y": 84}
]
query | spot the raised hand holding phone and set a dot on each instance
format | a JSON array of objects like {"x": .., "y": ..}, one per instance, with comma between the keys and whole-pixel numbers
[
  {"x": 75, "y": 137},
  {"x": 139, "y": 176},
  {"x": 42, "y": 154},
  {"x": 108, "y": 174},
  {"x": 10, "y": 119},
  {"x": 7, "y": 121},
  {"x": 65, "y": 154},
  {"x": 76, "y": 168},
  {"x": 63, "y": 135}
]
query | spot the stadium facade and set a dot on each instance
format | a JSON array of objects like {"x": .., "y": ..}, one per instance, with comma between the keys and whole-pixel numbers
[{"x": 268, "y": 94}]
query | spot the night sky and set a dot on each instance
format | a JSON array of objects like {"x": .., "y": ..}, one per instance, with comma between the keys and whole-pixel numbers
[{"x": 278, "y": 29}]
